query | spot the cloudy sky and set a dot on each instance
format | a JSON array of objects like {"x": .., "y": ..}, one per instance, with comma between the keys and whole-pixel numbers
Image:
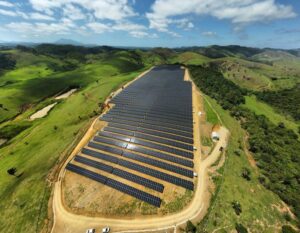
[{"x": 169, "y": 23}]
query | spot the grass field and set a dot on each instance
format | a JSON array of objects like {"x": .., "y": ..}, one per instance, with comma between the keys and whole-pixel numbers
[
  {"x": 260, "y": 108},
  {"x": 190, "y": 58},
  {"x": 259, "y": 76},
  {"x": 211, "y": 116},
  {"x": 35, "y": 78},
  {"x": 259, "y": 211},
  {"x": 35, "y": 151}
]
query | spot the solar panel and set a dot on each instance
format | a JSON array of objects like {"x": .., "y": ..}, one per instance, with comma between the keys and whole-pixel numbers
[
  {"x": 139, "y": 180},
  {"x": 161, "y": 118},
  {"x": 84, "y": 172},
  {"x": 105, "y": 148},
  {"x": 108, "y": 117},
  {"x": 148, "y": 126},
  {"x": 150, "y": 138},
  {"x": 160, "y": 175},
  {"x": 110, "y": 141},
  {"x": 93, "y": 163},
  {"x": 152, "y": 132},
  {"x": 160, "y": 164},
  {"x": 143, "y": 143},
  {"x": 160, "y": 155},
  {"x": 143, "y": 196},
  {"x": 99, "y": 155},
  {"x": 118, "y": 172},
  {"x": 137, "y": 167},
  {"x": 146, "y": 197}
]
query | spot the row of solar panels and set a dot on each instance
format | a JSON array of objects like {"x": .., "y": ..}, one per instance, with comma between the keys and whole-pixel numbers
[
  {"x": 143, "y": 143},
  {"x": 108, "y": 118},
  {"x": 146, "y": 151},
  {"x": 151, "y": 199},
  {"x": 155, "y": 109},
  {"x": 154, "y": 120},
  {"x": 182, "y": 110},
  {"x": 149, "y": 126},
  {"x": 150, "y": 138},
  {"x": 182, "y": 122},
  {"x": 151, "y": 132},
  {"x": 152, "y": 114},
  {"x": 134, "y": 166},
  {"x": 118, "y": 172}
]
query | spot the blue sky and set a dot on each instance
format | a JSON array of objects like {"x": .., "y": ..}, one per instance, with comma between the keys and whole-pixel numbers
[{"x": 152, "y": 23}]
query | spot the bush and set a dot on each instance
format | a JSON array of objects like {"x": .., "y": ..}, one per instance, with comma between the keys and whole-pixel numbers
[
  {"x": 288, "y": 229},
  {"x": 246, "y": 173},
  {"x": 190, "y": 228},
  {"x": 240, "y": 228},
  {"x": 6, "y": 62},
  {"x": 237, "y": 207},
  {"x": 10, "y": 131}
]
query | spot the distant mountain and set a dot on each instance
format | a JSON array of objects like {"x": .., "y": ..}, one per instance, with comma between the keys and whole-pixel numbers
[
  {"x": 217, "y": 51},
  {"x": 63, "y": 41},
  {"x": 275, "y": 55}
]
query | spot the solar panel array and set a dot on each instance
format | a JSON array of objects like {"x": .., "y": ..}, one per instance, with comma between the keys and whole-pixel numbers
[{"x": 149, "y": 135}]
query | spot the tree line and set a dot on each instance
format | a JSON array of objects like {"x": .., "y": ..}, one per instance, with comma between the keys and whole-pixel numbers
[
  {"x": 286, "y": 101},
  {"x": 275, "y": 148}
]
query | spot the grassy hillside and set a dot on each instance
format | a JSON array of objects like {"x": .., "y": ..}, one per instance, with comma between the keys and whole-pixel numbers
[
  {"x": 261, "y": 209},
  {"x": 36, "y": 150},
  {"x": 261, "y": 108},
  {"x": 190, "y": 58},
  {"x": 37, "y": 76}
]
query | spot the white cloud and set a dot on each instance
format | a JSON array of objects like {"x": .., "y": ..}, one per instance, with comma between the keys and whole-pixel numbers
[
  {"x": 39, "y": 16},
  {"x": 135, "y": 30},
  {"x": 127, "y": 26},
  {"x": 38, "y": 29},
  {"x": 244, "y": 12},
  {"x": 209, "y": 34},
  {"x": 6, "y": 4},
  {"x": 73, "y": 12},
  {"x": 101, "y": 9},
  {"x": 190, "y": 25},
  {"x": 99, "y": 27},
  {"x": 142, "y": 34},
  {"x": 8, "y": 13}
]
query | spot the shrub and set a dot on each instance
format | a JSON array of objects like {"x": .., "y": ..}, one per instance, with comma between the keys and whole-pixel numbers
[
  {"x": 190, "y": 228},
  {"x": 240, "y": 228},
  {"x": 288, "y": 229},
  {"x": 237, "y": 207}
]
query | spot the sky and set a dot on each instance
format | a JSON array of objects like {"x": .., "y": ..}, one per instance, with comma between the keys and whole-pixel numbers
[{"x": 153, "y": 23}]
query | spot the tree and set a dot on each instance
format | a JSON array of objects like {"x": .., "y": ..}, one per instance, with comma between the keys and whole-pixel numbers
[
  {"x": 12, "y": 171},
  {"x": 237, "y": 207},
  {"x": 240, "y": 228},
  {"x": 246, "y": 173},
  {"x": 190, "y": 228}
]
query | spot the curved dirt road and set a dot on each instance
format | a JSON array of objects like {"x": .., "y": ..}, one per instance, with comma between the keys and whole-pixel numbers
[{"x": 69, "y": 222}]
